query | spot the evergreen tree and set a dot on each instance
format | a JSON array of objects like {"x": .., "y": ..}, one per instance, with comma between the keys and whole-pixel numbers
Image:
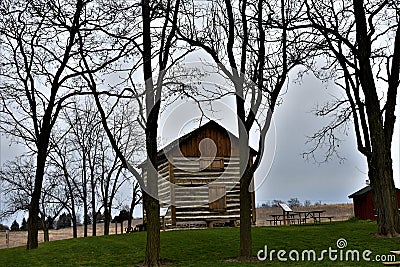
[
  {"x": 24, "y": 225},
  {"x": 14, "y": 226},
  {"x": 64, "y": 221},
  {"x": 50, "y": 222},
  {"x": 124, "y": 215}
]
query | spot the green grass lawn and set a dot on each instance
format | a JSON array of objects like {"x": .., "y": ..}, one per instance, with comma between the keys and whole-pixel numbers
[{"x": 210, "y": 247}]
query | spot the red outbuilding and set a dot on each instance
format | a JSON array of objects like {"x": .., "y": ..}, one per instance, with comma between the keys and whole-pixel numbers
[{"x": 364, "y": 205}]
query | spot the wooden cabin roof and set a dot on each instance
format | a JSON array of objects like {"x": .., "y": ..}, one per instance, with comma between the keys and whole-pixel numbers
[{"x": 198, "y": 134}]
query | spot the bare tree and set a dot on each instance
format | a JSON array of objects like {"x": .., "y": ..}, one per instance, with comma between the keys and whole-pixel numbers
[
  {"x": 64, "y": 166},
  {"x": 18, "y": 184},
  {"x": 84, "y": 156},
  {"x": 25, "y": 27},
  {"x": 80, "y": 146},
  {"x": 136, "y": 200},
  {"x": 16, "y": 177},
  {"x": 167, "y": 16},
  {"x": 362, "y": 47},
  {"x": 128, "y": 136},
  {"x": 95, "y": 157},
  {"x": 41, "y": 66},
  {"x": 250, "y": 43}
]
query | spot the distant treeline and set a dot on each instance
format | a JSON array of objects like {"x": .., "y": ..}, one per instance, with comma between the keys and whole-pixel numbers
[{"x": 293, "y": 202}]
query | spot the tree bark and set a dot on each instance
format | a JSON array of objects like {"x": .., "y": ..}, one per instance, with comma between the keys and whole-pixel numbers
[
  {"x": 132, "y": 206},
  {"x": 85, "y": 195},
  {"x": 130, "y": 219},
  {"x": 384, "y": 192},
  {"x": 32, "y": 242},
  {"x": 93, "y": 198},
  {"x": 245, "y": 218},
  {"x": 246, "y": 241},
  {"x": 73, "y": 214},
  {"x": 71, "y": 193},
  {"x": 106, "y": 219},
  {"x": 380, "y": 173},
  {"x": 152, "y": 207},
  {"x": 94, "y": 215},
  {"x": 151, "y": 204},
  {"x": 380, "y": 169},
  {"x": 74, "y": 221},
  {"x": 46, "y": 237},
  {"x": 74, "y": 224},
  {"x": 85, "y": 216}
]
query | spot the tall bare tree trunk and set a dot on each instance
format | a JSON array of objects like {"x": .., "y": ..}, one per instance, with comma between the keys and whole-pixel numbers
[
  {"x": 32, "y": 242},
  {"x": 46, "y": 237},
  {"x": 245, "y": 194},
  {"x": 379, "y": 159},
  {"x": 130, "y": 218},
  {"x": 245, "y": 218},
  {"x": 133, "y": 204},
  {"x": 380, "y": 173},
  {"x": 384, "y": 194},
  {"x": 152, "y": 207},
  {"x": 86, "y": 215},
  {"x": 93, "y": 196},
  {"x": 150, "y": 200},
  {"x": 71, "y": 193},
  {"x": 74, "y": 219},
  {"x": 151, "y": 203},
  {"x": 107, "y": 217},
  {"x": 94, "y": 215},
  {"x": 85, "y": 196}
]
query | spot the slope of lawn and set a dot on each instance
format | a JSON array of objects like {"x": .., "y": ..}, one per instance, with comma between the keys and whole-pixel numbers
[{"x": 210, "y": 247}]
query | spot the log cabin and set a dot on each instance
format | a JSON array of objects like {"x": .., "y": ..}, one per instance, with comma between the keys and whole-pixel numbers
[{"x": 199, "y": 177}]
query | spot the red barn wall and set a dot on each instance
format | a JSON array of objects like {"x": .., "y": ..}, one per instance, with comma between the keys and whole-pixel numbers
[{"x": 364, "y": 206}]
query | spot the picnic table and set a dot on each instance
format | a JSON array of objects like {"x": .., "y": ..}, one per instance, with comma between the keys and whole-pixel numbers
[
  {"x": 275, "y": 218},
  {"x": 288, "y": 216},
  {"x": 310, "y": 214}
]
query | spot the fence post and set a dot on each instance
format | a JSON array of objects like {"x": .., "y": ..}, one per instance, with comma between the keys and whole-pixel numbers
[{"x": 8, "y": 238}]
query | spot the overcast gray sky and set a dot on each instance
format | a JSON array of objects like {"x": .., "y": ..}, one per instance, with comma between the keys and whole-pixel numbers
[{"x": 291, "y": 175}]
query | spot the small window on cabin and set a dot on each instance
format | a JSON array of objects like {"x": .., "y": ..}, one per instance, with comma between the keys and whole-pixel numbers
[
  {"x": 211, "y": 164},
  {"x": 217, "y": 198}
]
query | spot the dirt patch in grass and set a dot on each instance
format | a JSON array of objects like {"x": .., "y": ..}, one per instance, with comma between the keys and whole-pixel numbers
[
  {"x": 253, "y": 259},
  {"x": 163, "y": 263}
]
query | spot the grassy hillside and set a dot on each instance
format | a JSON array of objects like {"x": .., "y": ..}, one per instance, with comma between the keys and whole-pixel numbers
[{"x": 210, "y": 247}]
